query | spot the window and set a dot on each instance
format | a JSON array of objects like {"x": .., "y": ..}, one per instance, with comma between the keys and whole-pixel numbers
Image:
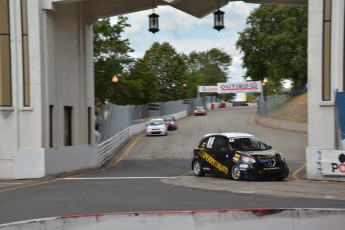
[
  {"x": 89, "y": 125},
  {"x": 326, "y": 56},
  {"x": 5, "y": 65},
  {"x": 51, "y": 110},
  {"x": 210, "y": 143},
  {"x": 220, "y": 143},
  {"x": 68, "y": 125},
  {"x": 25, "y": 40}
]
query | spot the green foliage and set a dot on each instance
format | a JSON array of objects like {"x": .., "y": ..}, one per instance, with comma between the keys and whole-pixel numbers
[
  {"x": 206, "y": 68},
  {"x": 168, "y": 69},
  {"x": 110, "y": 55},
  {"x": 275, "y": 45},
  {"x": 161, "y": 75},
  {"x": 253, "y": 96},
  {"x": 141, "y": 86}
]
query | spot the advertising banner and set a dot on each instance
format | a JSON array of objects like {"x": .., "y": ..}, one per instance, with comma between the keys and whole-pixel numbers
[
  {"x": 208, "y": 89},
  {"x": 340, "y": 104},
  {"x": 240, "y": 87},
  {"x": 333, "y": 162}
]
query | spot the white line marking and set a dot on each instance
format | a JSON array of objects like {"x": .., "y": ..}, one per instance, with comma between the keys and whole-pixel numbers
[
  {"x": 115, "y": 178},
  {"x": 10, "y": 183}
]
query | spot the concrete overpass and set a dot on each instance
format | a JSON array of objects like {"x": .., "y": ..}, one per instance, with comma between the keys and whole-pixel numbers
[{"x": 47, "y": 82}]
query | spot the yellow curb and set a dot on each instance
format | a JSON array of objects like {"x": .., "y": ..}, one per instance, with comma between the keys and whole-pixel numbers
[
  {"x": 127, "y": 151},
  {"x": 295, "y": 175}
]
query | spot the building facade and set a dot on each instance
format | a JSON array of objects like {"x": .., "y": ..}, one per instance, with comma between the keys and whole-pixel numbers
[{"x": 47, "y": 81}]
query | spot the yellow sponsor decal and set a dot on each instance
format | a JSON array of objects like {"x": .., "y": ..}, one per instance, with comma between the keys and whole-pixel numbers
[
  {"x": 213, "y": 162},
  {"x": 236, "y": 157}
]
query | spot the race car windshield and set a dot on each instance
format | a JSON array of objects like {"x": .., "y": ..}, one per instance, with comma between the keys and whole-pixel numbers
[
  {"x": 247, "y": 144},
  {"x": 156, "y": 123}
]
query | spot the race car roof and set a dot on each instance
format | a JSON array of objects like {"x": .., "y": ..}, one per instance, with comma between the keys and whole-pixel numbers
[{"x": 231, "y": 134}]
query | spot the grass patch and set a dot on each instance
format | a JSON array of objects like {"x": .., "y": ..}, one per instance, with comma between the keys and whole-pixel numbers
[{"x": 294, "y": 109}]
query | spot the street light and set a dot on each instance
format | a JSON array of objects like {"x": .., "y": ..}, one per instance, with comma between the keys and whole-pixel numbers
[
  {"x": 264, "y": 83},
  {"x": 218, "y": 20},
  {"x": 184, "y": 86},
  {"x": 153, "y": 20},
  {"x": 153, "y": 23},
  {"x": 115, "y": 79}
]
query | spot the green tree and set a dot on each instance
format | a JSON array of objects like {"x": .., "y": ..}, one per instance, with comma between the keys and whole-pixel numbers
[
  {"x": 206, "y": 68},
  {"x": 110, "y": 55},
  {"x": 275, "y": 45},
  {"x": 140, "y": 86},
  {"x": 168, "y": 70}
]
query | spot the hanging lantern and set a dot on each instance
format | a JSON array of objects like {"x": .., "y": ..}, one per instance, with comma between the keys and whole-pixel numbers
[
  {"x": 218, "y": 20},
  {"x": 153, "y": 23}
]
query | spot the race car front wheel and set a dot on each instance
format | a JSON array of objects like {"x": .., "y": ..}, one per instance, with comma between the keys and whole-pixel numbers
[
  {"x": 197, "y": 168},
  {"x": 236, "y": 173}
]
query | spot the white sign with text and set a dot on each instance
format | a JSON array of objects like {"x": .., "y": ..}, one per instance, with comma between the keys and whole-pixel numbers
[{"x": 240, "y": 87}]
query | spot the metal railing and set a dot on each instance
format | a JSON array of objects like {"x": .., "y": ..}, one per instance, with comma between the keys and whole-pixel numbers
[
  {"x": 115, "y": 118},
  {"x": 117, "y": 123},
  {"x": 269, "y": 106}
]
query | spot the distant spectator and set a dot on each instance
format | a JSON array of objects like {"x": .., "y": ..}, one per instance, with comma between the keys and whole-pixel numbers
[
  {"x": 97, "y": 133},
  {"x": 97, "y": 137}
]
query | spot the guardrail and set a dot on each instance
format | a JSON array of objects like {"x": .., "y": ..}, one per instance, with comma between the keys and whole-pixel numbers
[
  {"x": 110, "y": 147},
  {"x": 113, "y": 119}
]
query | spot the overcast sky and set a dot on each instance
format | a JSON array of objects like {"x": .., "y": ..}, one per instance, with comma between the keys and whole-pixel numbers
[{"x": 187, "y": 33}]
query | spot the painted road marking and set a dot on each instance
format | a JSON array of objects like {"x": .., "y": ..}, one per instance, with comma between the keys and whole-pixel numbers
[
  {"x": 10, "y": 183},
  {"x": 115, "y": 178},
  {"x": 29, "y": 185},
  {"x": 129, "y": 148}
]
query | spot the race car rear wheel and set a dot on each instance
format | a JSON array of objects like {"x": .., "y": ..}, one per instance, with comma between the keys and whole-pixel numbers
[
  {"x": 197, "y": 168},
  {"x": 236, "y": 173}
]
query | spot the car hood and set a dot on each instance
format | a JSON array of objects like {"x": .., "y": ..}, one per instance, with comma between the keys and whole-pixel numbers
[
  {"x": 261, "y": 153},
  {"x": 156, "y": 126}
]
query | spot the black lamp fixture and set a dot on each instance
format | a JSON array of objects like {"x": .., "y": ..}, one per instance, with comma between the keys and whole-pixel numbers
[
  {"x": 218, "y": 19},
  {"x": 153, "y": 21}
]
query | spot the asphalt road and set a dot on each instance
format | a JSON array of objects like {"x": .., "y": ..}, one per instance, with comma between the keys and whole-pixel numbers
[{"x": 154, "y": 174}]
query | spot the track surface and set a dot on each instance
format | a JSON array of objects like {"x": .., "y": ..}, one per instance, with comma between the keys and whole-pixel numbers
[{"x": 154, "y": 174}]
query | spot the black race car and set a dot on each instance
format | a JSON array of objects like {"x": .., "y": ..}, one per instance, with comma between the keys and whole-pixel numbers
[{"x": 240, "y": 156}]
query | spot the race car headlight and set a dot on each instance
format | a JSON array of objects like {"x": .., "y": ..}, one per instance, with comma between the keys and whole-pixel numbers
[{"x": 246, "y": 159}]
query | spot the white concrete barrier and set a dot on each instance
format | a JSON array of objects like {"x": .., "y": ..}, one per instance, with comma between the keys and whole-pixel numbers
[{"x": 258, "y": 219}]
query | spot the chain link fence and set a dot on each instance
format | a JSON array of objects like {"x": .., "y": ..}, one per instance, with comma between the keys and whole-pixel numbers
[
  {"x": 115, "y": 118},
  {"x": 275, "y": 106},
  {"x": 272, "y": 103}
]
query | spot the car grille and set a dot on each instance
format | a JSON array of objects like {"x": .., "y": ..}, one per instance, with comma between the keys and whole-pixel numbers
[
  {"x": 268, "y": 162},
  {"x": 156, "y": 132}
]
